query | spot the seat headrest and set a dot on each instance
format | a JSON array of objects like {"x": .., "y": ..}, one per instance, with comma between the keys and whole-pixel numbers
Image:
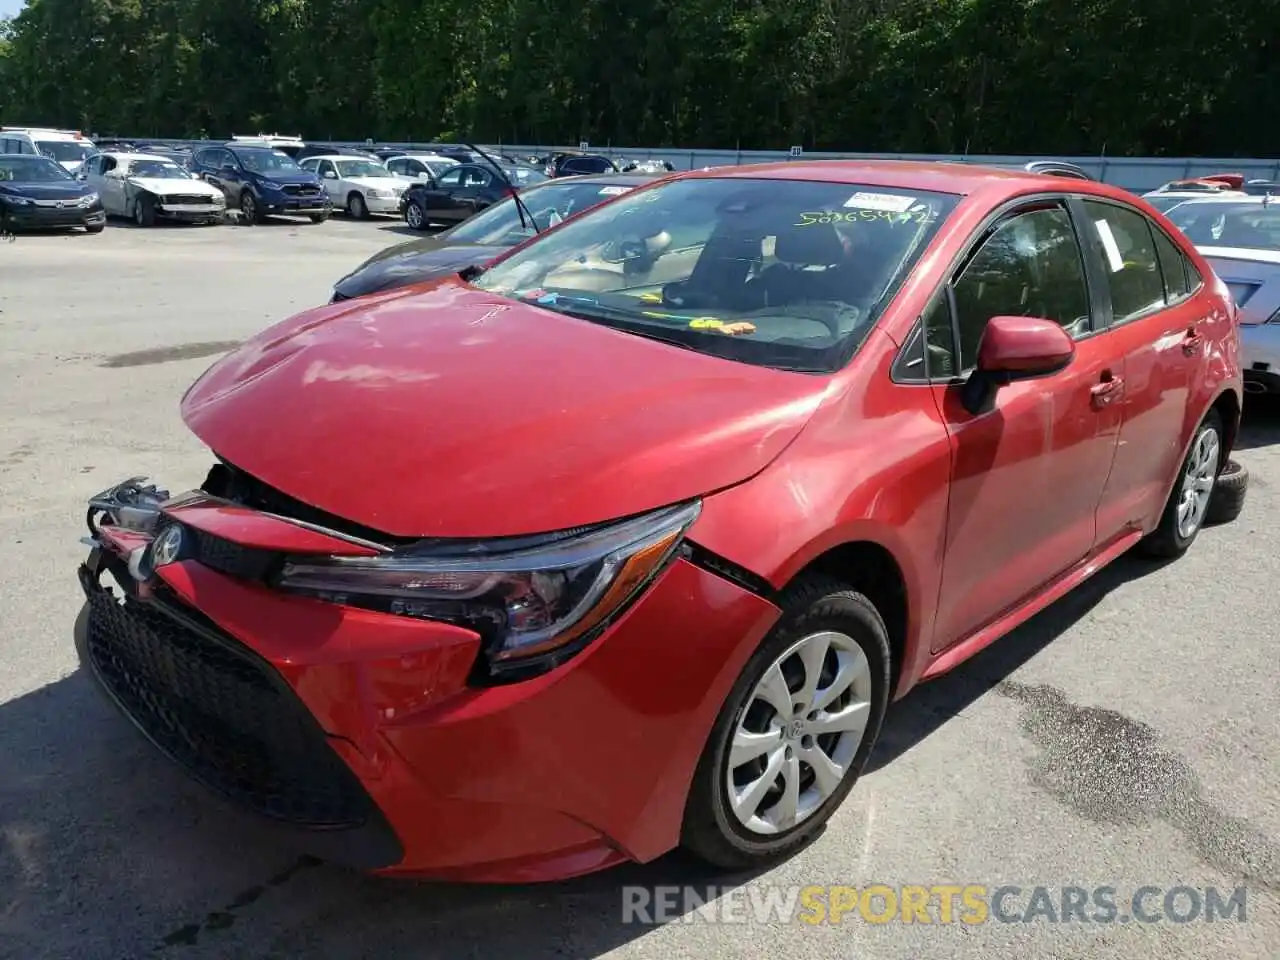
[{"x": 813, "y": 245}]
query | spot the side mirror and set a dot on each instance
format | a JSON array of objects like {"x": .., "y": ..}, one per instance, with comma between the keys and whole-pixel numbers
[{"x": 1016, "y": 348}]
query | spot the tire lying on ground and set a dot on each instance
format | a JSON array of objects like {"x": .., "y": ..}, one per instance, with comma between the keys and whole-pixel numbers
[{"x": 1228, "y": 494}]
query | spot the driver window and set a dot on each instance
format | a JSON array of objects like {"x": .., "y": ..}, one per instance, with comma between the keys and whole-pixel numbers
[
  {"x": 452, "y": 178},
  {"x": 326, "y": 167},
  {"x": 396, "y": 165},
  {"x": 1031, "y": 266},
  {"x": 108, "y": 164},
  {"x": 476, "y": 178}
]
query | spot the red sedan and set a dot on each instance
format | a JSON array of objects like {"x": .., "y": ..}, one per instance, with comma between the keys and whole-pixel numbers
[{"x": 627, "y": 541}]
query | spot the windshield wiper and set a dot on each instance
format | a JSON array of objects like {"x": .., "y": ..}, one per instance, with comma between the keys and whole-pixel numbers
[{"x": 521, "y": 209}]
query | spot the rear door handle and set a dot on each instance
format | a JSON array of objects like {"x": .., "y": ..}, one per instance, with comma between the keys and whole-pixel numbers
[
  {"x": 1191, "y": 343},
  {"x": 1104, "y": 393}
]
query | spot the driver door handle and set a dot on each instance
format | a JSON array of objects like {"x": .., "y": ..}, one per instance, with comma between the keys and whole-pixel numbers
[{"x": 1107, "y": 390}]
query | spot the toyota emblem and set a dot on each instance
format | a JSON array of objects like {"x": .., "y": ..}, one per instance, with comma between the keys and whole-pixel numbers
[{"x": 167, "y": 546}]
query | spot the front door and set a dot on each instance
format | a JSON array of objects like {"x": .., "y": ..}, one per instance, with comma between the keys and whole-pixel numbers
[{"x": 1027, "y": 473}]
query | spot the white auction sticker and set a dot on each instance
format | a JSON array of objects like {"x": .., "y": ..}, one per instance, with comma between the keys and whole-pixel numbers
[
  {"x": 613, "y": 191},
  {"x": 890, "y": 202}
]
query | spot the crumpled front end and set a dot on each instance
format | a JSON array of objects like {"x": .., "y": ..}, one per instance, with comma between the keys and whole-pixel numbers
[{"x": 366, "y": 732}]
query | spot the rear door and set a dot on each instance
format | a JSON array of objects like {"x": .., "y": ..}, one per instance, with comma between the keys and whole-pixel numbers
[
  {"x": 1157, "y": 321},
  {"x": 1029, "y": 471}
]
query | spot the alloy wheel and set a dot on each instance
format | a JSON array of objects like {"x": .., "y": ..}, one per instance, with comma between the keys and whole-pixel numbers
[
  {"x": 798, "y": 732},
  {"x": 413, "y": 216},
  {"x": 1197, "y": 482}
]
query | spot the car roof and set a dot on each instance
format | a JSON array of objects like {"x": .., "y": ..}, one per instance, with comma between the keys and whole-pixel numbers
[
  {"x": 130, "y": 155},
  {"x": 606, "y": 179},
  {"x": 1240, "y": 253},
  {"x": 937, "y": 176},
  {"x": 339, "y": 156}
]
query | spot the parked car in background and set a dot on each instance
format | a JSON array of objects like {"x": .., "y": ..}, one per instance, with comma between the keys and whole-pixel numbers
[
  {"x": 68, "y": 148},
  {"x": 262, "y": 182},
  {"x": 482, "y": 237},
  {"x": 146, "y": 188},
  {"x": 327, "y": 150},
  {"x": 656, "y": 167},
  {"x": 1177, "y": 191},
  {"x": 1240, "y": 238},
  {"x": 462, "y": 191},
  {"x": 626, "y": 543},
  {"x": 36, "y": 193},
  {"x": 576, "y": 164},
  {"x": 288, "y": 145},
  {"x": 360, "y": 187},
  {"x": 420, "y": 166}
]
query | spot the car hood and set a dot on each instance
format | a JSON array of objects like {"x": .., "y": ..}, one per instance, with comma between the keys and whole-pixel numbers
[
  {"x": 287, "y": 176},
  {"x": 412, "y": 262},
  {"x": 449, "y": 412},
  {"x": 65, "y": 190},
  {"x": 167, "y": 185}
]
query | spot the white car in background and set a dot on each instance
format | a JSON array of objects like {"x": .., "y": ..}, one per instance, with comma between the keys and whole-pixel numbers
[
  {"x": 359, "y": 186},
  {"x": 420, "y": 166},
  {"x": 145, "y": 187},
  {"x": 1168, "y": 196},
  {"x": 67, "y": 148},
  {"x": 1240, "y": 237}
]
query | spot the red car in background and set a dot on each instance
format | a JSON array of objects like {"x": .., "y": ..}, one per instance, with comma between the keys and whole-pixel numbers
[{"x": 628, "y": 540}]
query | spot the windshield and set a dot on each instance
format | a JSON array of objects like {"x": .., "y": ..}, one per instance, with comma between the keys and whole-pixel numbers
[
  {"x": 17, "y": 168},
  {"x": 360, "y": 168},
  {"x": 267, "y": 161},
  {"x": 524, "y": 176},
  {"x": 159, "y": 170},
  {"x": 1254, "y": 226},
  {"x": 1165, "y": 204},
  {"x": 550, "y": 203},
  {"x": 65, "y": 151},
  {"x": 783, "y": 273}
]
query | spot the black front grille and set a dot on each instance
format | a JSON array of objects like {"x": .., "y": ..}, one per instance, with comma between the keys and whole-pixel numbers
[
  {"x": 220, "y": 711},
  {"x": 301, "y": 189},
  {"x": 188, "y": 198}
]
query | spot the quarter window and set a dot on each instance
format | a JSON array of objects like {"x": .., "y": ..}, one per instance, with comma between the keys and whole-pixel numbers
[
  {"x": 1173, "y": 266},
  {"x": 1129, "y": 258},
  {"x": 1030, "y": 266}
]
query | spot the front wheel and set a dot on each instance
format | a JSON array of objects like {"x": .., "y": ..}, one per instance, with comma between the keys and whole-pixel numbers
[
  {"x": 144, "y": 211},
  {"x": 356, "y": 207},
  {"x": 319, "y": 217},
  {"x": 795, "y": 731},
  {"x": 1188, "y": 504},
  {"x": 414, "y": 216},
  {"x": 250, "y": 213}
]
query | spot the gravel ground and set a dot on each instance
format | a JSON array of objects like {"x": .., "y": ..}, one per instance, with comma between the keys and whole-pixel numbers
[{"x": 1127, "y": 737}]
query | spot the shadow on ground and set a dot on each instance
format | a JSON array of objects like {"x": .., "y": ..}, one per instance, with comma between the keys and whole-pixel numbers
[{"x": 1260, "y": 425}]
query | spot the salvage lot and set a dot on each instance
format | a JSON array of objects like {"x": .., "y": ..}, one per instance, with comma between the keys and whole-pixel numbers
[{"x": 1029, "y": 765}]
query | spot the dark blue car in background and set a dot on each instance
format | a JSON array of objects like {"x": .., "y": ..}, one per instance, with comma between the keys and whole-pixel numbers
[
  {"x": 36, "y": 193},
  {"x": 261, "y": 182}
]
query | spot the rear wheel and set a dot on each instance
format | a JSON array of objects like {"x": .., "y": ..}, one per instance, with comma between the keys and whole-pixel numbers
[
  {"x": 414, "y": 216},
  {"x": 794, "y": 733},
  {"x": 1229, "y": 493},
  {"x": 1188, "y": 504}
]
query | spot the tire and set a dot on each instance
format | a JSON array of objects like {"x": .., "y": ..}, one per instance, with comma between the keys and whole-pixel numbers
[
  {"x": 250, "y": 212},
  {"x": 1229, "y": 493},
  {"x": 94, "y": 227},
  {"x": 414, "y": 216},
  {"x": 144, "y": 211},
  {"x": 356, "y": 207},
  {"x": 813, "y": 606},
  {"x": 319, "y": 217},
  {"x": 1171, "y": 538}
]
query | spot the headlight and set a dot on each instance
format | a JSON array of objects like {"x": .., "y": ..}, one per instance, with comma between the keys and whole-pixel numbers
[
  {"x": 88, "y": 200},
  {"x": 535, "y": 601},
  {"x": 16, "y": 200}
]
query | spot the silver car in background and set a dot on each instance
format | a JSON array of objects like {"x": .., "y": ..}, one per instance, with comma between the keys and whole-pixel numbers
[{"x": 1240, "y": 237}]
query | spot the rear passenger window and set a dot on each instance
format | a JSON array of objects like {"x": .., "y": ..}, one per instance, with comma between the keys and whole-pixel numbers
[
  {"x": 1173, "y": 266},
  {"x": 1130, "y": 259}
]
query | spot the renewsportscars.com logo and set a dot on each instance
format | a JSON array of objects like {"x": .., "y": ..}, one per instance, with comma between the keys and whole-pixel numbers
[{"x": 936, "y": 904}]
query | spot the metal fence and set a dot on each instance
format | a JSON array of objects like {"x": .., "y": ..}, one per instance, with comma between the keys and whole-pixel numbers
[{"x": 1137, "y": 174}]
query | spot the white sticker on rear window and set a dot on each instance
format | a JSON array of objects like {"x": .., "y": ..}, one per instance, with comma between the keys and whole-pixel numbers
[
  {"x": 613, "y": 191},
  {"x": 890, "y": 202},
  {"x": 1114, "y": 260}
]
